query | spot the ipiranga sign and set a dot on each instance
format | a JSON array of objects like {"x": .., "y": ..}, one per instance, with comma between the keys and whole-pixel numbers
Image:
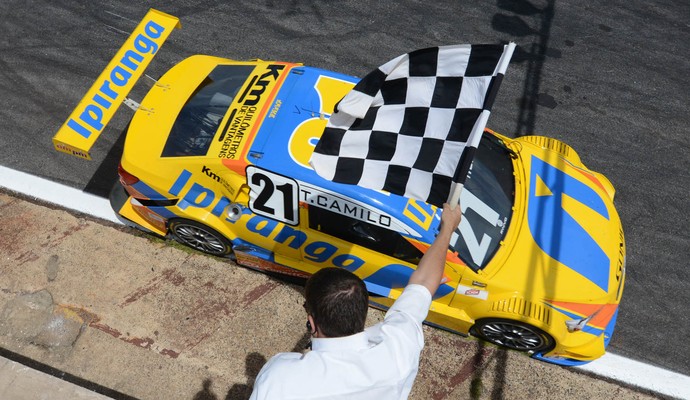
[{"x": 97, "y": 107}]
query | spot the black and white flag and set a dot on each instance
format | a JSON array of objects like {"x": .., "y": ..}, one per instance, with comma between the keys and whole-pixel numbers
[{"x": 405, "y": 126}]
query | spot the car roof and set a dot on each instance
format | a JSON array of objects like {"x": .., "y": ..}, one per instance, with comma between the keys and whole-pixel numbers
[{"x": 289, "y": 132}]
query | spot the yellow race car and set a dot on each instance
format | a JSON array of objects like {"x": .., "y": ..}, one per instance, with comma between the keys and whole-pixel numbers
[{"x": 216, "y": 157}]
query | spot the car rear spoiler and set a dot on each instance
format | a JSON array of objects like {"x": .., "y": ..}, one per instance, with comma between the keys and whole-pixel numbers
[{"x": 97, "y": 107}]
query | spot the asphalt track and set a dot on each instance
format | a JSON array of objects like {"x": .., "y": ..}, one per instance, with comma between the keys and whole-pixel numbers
[{"x": 608, "y": 77}]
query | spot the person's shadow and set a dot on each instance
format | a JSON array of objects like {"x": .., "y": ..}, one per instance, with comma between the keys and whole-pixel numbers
[
  {"x": 206, "y": 393},
  {"x": 238, "y": 391},
  {"x": 242, "y": 391},
  {"x": 303, "y": 344},
  {"x": 253, "y": 365}
]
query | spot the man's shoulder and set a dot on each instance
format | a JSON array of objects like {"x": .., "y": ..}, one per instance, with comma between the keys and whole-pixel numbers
[
  {"x": 284, "y": 359},
  {"x": 283, "y": 372},
  {"x": 289, "y": 356},
  {"x": 279, "y": 366},
  {"x": 415, "y": 301}
]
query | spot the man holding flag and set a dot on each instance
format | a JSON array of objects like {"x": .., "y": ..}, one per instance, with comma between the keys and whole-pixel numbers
[
  {"x": 409, "y": 128},
  {"x": 346, "y": 360}
]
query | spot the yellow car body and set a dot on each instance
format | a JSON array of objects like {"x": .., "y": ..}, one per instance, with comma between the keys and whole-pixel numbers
[{"x": 216, "y": 156}]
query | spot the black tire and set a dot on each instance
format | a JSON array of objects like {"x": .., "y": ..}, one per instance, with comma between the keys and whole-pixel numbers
[
  {"x": 200, "y": 237},
  {"x": 514, "y": 335}
]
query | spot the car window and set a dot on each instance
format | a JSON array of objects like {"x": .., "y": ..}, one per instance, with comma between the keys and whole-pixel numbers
[
  {"x": 363, "y": 234},
  {"x": 199, "y": 119},
  {"x": 487, "y": 201}
]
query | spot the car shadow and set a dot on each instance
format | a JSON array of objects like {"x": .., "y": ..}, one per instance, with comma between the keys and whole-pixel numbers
[{"x": 106, "y": 175}]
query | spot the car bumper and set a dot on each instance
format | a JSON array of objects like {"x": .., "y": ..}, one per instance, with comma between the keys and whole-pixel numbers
[
  {"x": 562, "y": 358},
  {"x": 131, "y": 214}
]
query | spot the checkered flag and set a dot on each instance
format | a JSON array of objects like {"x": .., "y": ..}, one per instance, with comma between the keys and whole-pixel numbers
[{"x": 411, "y": 126}]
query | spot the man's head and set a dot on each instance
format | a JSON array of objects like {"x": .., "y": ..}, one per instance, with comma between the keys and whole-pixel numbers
[{"x": 337, "y": 300}]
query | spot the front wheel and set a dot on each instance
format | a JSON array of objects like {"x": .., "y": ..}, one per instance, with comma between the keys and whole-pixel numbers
[
  {"x": 200, "y": 237},
  {"x": 513, "y": 335}
]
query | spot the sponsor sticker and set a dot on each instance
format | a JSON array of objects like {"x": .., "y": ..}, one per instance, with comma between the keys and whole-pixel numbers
[{"x": 472, "y": 292}]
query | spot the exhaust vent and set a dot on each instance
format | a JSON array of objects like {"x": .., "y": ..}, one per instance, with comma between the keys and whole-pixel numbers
[{"x": 519, "y": 306}]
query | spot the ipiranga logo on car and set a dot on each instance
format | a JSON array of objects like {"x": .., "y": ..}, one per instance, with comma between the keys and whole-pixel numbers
[{"x": 97, "y": 107}]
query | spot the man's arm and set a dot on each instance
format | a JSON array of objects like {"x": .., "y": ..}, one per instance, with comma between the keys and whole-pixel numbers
[{"x": 430, "y": 269}]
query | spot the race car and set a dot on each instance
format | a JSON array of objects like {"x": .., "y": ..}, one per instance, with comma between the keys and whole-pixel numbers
[{"x": 217, "y": 155}]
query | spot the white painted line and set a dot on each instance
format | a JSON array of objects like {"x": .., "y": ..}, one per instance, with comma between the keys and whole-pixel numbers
[
  {"x": 56, "y": 193},
  {"x": 611, "y": 366},
  {"x": 642, "y": 375}
]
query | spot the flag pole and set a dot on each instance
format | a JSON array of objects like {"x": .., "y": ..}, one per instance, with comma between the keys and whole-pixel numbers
[{"x": 478, "y": 129}]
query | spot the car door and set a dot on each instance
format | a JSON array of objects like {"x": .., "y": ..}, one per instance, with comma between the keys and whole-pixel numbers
[{"x": 383, "y": 258}]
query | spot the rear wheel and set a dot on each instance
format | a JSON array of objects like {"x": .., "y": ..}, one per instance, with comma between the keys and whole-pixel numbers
[
  {"x": 200, "y": 237},
  {"x": 513, "y": 335}
]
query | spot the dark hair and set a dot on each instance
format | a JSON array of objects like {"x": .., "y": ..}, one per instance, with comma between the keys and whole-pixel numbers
[{"x": 338, "y": 301}]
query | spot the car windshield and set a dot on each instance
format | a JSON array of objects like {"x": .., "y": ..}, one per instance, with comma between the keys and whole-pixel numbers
[
  {"x": 198, "y": 121},
  {"x": 487, "y": 202}
]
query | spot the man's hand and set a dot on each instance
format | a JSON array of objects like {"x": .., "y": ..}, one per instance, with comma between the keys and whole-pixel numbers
[
  {"x": 450, "y": 219},
  {"x": 430, "y": 269}
]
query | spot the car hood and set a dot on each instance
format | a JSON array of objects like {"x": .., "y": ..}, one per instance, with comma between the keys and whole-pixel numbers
[{"x": 566, "y": 242}]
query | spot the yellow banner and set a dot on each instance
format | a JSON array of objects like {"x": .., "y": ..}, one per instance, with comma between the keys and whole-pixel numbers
[{"x": 97, "y": 107}]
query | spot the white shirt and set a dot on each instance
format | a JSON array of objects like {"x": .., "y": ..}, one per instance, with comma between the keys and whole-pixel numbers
[{"x": 380, "y": 363}]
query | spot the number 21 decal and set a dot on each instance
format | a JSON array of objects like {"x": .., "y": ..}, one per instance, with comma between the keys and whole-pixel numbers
[{"x": 272, "y": 195}]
